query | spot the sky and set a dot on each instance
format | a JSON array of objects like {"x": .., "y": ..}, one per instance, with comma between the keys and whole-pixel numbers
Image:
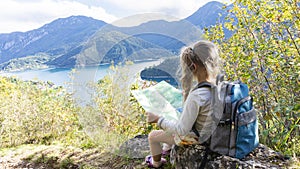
[{"x": 25, "y": 15}]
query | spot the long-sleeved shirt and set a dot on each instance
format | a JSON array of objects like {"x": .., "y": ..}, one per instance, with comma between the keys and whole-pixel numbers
[{"x": 197, "y": 110}]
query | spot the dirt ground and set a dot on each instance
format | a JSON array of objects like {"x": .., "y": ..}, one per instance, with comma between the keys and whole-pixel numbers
[
  {"x": 59, "y": 157},
  {"x": 52, "y": 157}
]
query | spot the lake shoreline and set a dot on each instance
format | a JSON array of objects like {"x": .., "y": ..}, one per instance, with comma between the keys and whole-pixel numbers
[
  {"x": 47, "y": 67},
  {"x": 61, "y": 76}
]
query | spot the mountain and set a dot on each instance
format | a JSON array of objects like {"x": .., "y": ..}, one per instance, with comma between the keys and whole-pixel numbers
[
  {"x": 54, "y": 38},
  {"x": 168, "y": 35},
  {"x": 82, "y": 40},
  {"x": 105, "y": 47},
  {"x": 207, "y": 15},
  {"x": 143, "y": 42},
  {"x": 210, "y": 14}
]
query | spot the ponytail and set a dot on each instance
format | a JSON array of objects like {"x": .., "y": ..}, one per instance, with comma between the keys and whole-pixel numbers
[
  {"x": 205, "y": 55},
  {"x": 186, "y": 73}
]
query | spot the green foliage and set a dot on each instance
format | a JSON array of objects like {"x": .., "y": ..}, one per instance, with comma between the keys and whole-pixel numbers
[
  {"x": 36, "y": 113},
  {"x": 165, "y": 68},
  {"x": 114, "y": 115},
  {"x": 40, "y": 113},
  {"x": 264, "y": 52}
]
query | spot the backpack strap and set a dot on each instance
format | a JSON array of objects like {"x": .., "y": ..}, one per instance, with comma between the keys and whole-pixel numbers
[
  {"x": 200, "y": 85},
  {"x": 229, "y": 93},
  {"x": 203, "y": 84},
  {"x": 207, "y": 150},
  {"x": 220, "y": 78}
]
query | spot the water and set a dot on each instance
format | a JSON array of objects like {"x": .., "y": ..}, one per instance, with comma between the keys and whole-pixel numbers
[
  {"x": 62, "y": 76},
  {"x": 77, "y": 82}
]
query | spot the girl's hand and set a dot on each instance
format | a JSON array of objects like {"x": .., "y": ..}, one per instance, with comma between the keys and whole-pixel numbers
[{"x": 152, "y": 118}]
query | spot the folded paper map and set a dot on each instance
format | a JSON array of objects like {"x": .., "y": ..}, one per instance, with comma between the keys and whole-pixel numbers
[{"x": 162, "y": 99}]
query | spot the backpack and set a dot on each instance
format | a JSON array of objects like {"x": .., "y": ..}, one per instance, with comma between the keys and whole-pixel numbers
[{"x": 236, "y": 134}]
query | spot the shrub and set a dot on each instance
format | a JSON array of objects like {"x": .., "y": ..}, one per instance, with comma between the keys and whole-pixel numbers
[
  {"x": 264, "y": 52},
  {"x": 36, "y": 112},
  {"x": 114, "y": 115}
]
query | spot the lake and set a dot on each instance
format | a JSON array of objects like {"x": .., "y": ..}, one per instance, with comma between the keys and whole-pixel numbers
[
  {"x": 76, "y": 81},
  {"x": 62, "y": 76}
]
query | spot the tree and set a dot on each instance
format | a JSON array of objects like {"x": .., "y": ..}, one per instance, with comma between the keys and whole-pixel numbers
[{"x": 264, "y": 52}]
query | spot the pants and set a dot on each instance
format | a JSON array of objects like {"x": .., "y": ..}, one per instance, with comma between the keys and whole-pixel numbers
[{"x": 156, "y": 137}]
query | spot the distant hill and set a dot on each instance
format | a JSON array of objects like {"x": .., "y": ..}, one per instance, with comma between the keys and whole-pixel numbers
[
  {"x": 210, "y": 14},
  {"x": 110, "y": 47},
  {"x": 54, "y": 38},
  {"x": 151, "y": 40},
  {"x": 168, "y": 35},
  {"x": 207, "y": 15},
  {"x": 66, "y": 42},
  {"x": 166, "y": 71}
]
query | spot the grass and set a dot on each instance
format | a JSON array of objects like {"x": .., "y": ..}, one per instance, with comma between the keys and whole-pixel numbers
[{"x": 58, "y": 156}]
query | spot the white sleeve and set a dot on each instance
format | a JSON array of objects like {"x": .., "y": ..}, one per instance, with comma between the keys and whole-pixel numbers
[{"x": 188, "y": 117}]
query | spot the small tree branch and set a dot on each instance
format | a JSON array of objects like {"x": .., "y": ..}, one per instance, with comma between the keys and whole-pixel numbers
[
  {"x": 268, "y": 83},
  {"x": 293, "y": 40}
]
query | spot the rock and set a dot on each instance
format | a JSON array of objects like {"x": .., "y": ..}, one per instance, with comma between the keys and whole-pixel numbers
[
  {"x": 190, "y": 157},
  {"x": 137, "y": 147}
]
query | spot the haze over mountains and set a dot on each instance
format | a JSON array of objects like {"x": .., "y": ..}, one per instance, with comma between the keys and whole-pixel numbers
[{"x": 84, "y": 41}]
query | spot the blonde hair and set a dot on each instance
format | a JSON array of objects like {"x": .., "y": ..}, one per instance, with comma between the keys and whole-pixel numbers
[{"x": 205, "y": 55}]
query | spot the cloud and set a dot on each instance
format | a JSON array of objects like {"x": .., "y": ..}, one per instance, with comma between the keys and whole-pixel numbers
[
  {"x": 17, "y": 15},
  {"x": 24, "y": 15},
  {"x": 173, "y": 7},
  {"x": 176, "y": 8}
]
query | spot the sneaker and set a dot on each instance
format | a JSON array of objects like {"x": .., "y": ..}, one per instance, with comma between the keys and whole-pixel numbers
[{"x": 148, "y": 161}]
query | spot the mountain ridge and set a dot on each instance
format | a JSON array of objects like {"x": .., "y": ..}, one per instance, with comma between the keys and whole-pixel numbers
[
  {"x": 206, "y": 12},
  {"x": 22, "y": 44},
  {"x": 64, "y": 38}
]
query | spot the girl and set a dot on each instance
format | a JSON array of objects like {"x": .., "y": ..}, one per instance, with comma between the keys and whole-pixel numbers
[{"x": 200, "y": 63}]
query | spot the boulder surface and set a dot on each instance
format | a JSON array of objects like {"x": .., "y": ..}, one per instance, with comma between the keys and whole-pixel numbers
[{"x": 190, "y": 157}]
